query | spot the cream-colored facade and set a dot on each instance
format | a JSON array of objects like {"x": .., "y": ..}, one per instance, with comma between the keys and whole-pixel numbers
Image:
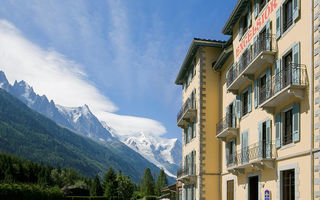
[{"x": 264, "y": 96}]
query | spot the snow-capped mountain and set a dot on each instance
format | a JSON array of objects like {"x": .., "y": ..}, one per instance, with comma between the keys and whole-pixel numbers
[
  {"x": 164, "y": 153},
  {"x": 78, "y": 119}
]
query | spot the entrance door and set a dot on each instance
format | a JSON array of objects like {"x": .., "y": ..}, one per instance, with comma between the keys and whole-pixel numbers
[
  {"x": 253, "y": 188},
  {"x": 230, "y": 190}
]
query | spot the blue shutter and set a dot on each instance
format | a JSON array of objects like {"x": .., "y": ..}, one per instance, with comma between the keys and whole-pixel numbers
[
  {"x": 238, "y": 106},
  {"x": 227, "y": 152},
  {"x": 233, "y": 153},
  {"x": 234, "y": 114},
  {"x": 249, "y": 99},
  {"x": 296, "y": 64},
  {"x": 268, "y": 83},
  {"x": 228, "y": 116},
  {"x": 296, "y": 122},
  {"x": 194, "y": 126},
  {"x": 268, "y": 139},
  {"x": 277, "y": 76},
  {"x": 255, "y": 46},
  {"x": 278, "y": 130},
  {"x": 260, "y": 141},
  {"x": 295, "y": 9},
  {"x": 244, "y": 146},
  {"x": 249, "y": 14},
  {"x": 255, "y": 89},
  {"x": 189, "y": 132},
  {"x": 268, "y": 37},
  {"x": 240, "y": 33},
  {"x": 278, "y": 23},
  {"x": 256, "y": 7}
]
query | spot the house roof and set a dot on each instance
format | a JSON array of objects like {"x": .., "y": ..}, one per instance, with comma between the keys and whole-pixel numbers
[
  {"x": 195, "y": 44},
  {"x": 234, "y": 17},
  {"x": 224, "y": 55}
]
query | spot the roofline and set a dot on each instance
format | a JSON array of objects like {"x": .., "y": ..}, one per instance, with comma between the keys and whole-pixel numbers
[
  {"x": 195, "y": 44},
  {"x": 226, "y": 27}
]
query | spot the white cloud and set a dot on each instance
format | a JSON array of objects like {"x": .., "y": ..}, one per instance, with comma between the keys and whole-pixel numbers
[{"x": 62, "y": 80}]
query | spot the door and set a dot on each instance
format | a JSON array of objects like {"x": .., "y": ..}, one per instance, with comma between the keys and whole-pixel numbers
[
  {"x": 230, "y": 190},
  {"x": 253, "y": 188}
]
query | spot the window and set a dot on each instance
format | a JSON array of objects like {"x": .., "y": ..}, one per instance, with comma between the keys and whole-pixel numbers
[
  {"x": 288, "y": 185},
  {"x": 190, "y": 191},
  {"x": 287, "y": 15},
  {"x": 287, "y": 132},
  {"x": 230, "y": 152},
  {"x": 230, "y": 190},
  {"x": 244, "y": 22},
  {"x": 287, "y": 125},
  {"x": 190, "y": 132},
  {"x": 261, "y": 3},
  {"x": 262, "y": 87},
  {"x": 244, "y": 103}
]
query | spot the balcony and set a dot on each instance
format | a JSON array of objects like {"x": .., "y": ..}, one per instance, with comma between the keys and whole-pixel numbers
[
  {"x": 187, "y": 175},
  {"x": 284, "y": 85},
  {"x": 186, "y": 113},
  {"x": 263, "y": 52},
  {"x": 226, "y": 127},
  {"x": 257, "y": 156}
]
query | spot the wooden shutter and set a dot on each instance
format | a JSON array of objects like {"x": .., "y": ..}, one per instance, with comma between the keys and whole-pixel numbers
[
  {"x": 249, "y": 18},
  {"x": 256, "y": 8},
  {"x": 296, "y": 64},
  {"x": 244, "y": 146},
  {"x": 296, "y": 9},
  {"x": 256, "y": 93},
  {"x": 194, "y": 128},
  {"x": 249, "y": 99},
  {"x": 260, "y": 141},
  {"x": 227, "y": 117},
  {"x": 278, "y": 23},
  {"x": 278, "y": 130},
  {"x": 255, "y": 46},
  {"x": 296, "y": 122},
  {"x": 268, "y": 83},
  {"x": 277, "y": 76},
  {"x": 238, "y": 106},
  {"x": 268, "y": 37},
  {"x": 268, "y": 139},
  {"x": 227, "y": 145},
  {"x": 240, "y": 33},
  {"x": 234, "y": 114}
]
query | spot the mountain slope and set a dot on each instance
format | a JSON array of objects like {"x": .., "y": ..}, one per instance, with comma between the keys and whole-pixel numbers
[
  {"x": 78, "y": 119},
  {"x": 35, "y": 137}
]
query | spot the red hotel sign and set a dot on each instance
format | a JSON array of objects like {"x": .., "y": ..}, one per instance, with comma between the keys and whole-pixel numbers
[{"x": 256, "y": 27}]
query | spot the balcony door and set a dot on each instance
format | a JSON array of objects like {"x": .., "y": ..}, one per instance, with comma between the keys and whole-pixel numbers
[{"x": 265, "y": 143}]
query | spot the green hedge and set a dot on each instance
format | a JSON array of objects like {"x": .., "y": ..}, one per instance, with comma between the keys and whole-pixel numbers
[{"x": 29, "y": 192}]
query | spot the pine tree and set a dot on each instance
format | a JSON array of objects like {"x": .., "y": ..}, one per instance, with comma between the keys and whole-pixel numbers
[
  {"x": 110, "y": 184},
  {"x": 162, "y": 181},
  {"x": 125, "y": 186},
  {"x": 147, "y": 183},
  {"x": 96, "y": 189}
]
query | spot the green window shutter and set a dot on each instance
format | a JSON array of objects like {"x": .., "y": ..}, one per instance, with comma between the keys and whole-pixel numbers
[
  {"x": 234, "y": 113},
  {"x": 255, "y": 46},
  {"x": 296, "y": 9},
  {"x": 278, "y": 23},
  {"x": 249, "y": 14},
  {"x": 277, "y": 76},
  {"x": 296, "y": 122},
  {"x": 256, "y": 7},
  {"x": 278, "y": 130},
  {"x": 240, "y": 33},
  {"x": 228, "y": 116},
  {"x": 296, "y": 66},
  {"x": 268, "y": 139},
  {"x": 238, "y": 106},
  {"x": 255, "y": 89},
  {"x": 268, "y": 37},
  {"x": 249, "y": 99},
  {"x": 268, "y": 84},
  {"x": 260, "y": 141},
  {"x": 244, "y": 146}
]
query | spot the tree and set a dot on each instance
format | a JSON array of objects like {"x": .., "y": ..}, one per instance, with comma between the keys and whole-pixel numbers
[
  {"x": 96, "y": 189},
  {"x": 125, "y": 186},
  {"x": 147, "y": 183},
  {"x": 110, "y": 184},
  {"x": 162, "y": 181}
]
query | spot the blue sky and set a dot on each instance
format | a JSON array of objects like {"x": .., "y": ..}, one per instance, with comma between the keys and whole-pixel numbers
[{"x": 125, "y": 54}]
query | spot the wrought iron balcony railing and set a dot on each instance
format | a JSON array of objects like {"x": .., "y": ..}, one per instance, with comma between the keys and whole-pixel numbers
[
  {"x": 186, "y": 171},
  {"x": 189, "y": 104},
  {"x": 264, "y": 43},
  {"x": 229, "y": 121},
  {"x": 293, "y": 74},
  {"x": 253, "y": 153}
]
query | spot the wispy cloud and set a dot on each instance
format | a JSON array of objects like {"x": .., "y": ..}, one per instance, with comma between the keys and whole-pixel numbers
[{"x": 62, "y": 80}]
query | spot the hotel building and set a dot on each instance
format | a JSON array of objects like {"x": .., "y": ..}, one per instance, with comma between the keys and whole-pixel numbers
[{"x": 261, "y": 92}]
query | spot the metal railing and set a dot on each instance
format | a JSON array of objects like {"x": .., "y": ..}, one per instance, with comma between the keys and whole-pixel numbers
[
  {"x": 229, "y": 121},
  {"x": 263, "y": 43},
  {"x": 257, "y": 151},
  {"x": 186, "y": 171},
  {"x": 294, "y": 74},
  {"x": 189, "y": 104}
]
